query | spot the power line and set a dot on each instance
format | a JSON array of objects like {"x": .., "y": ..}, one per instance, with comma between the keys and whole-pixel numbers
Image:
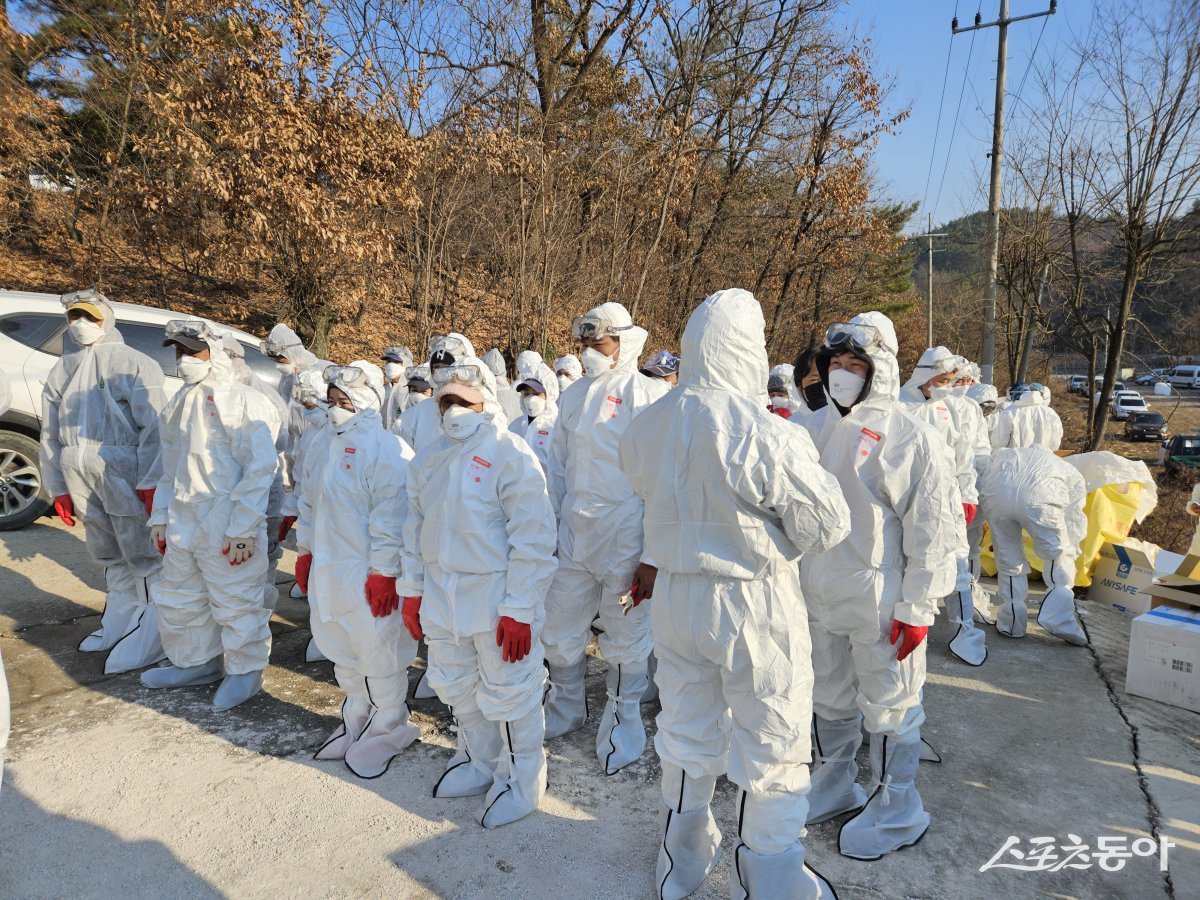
[
  {"x": 1029, "y": 65},
  {"x": 938, "y": 128},
  {"x": 954, "y": 130}
]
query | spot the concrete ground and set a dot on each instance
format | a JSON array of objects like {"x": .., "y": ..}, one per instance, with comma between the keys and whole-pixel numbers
[{"x": 111, "y": 790}]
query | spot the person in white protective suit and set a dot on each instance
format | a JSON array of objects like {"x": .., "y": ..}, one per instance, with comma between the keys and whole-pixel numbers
[
  {"x": 1032, "y": 489},
  {"x": 311, "y": 392},
  {"x": 930, "y": 396},
  {"x": 599, "y": 539},
  {"x": 663, "y": 364},
  {"x": 506, "y": 395},
  {"x": 100, "y": 447},
  {"x": 1026, "y": 422},
  {"x": 478, "y": 559},
  {"x": 279, "y": 523},
  {"x": 872, "y": 598},
  {"x": 539, "y": 411},
  {"x": 352, "y": 512},
  {"x": 733, "y": 496},
  {"x": 1193, "y": 509},
  {"x": 779, "y": 397},
  {"x": 218, "y": 464},
  {"x": 528, "y": 363},
  {"x": 986, "y": 396},
  {"x": 567, "y": 370},
  {"x": 988, "y": 399},
  {"x": 421, "y": 423},
  {"x": 396, "y": 363}
]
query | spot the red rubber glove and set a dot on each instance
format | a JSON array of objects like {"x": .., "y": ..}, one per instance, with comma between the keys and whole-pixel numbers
[
  {"x": 910, "y": 637},
  {"x": 783, "y": 412},
  {"x": 515, "y": 637},
  {"x": 65, "y": 507},
  {"x": 381, "y": 595},
  {"x": 411, "y": 613},
  {"x": 285, "y": 525},
  {"x": 643, "y": 583},
  {"x": 969, "y": 510},
  {"x": 303, "y": 567},
  {"x": 146, "y": 495}
]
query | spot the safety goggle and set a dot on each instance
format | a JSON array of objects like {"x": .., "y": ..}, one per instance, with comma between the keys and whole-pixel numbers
[
  {"x": 400, "y": 355},
  {"x": 190, "y": 328},
  {"x": 346, "y": 376},
  {"x": 942, "y": 366},
  {"x": 988, "y": 407},
  {"x": 276, "y": 351},
  {"x": 445, "y": 342},
  {"x": 591, "y": 328},
  {"x": 469, "y": 374},
  {"x": 852, "y": 336},
  {"x": 87, "y": 296}
]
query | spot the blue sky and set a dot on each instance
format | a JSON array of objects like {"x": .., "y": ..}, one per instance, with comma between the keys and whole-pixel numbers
[{"x": 911, "y": 39}]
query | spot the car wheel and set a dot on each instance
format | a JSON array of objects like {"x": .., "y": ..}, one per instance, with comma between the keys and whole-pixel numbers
[{"x": 23, "y": 498}]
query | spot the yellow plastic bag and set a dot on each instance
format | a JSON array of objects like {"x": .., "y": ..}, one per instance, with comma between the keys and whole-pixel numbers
[{"x": 1110, "y": 512}]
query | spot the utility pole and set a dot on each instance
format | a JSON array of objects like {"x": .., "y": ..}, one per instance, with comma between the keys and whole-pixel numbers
[
  {"x": 988, "y": 360},
  {"x": 930, "y": 235}
]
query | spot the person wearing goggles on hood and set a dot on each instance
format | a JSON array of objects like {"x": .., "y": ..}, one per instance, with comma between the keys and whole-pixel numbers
[
  {"x": 663, "y": 364},
  {"x": 219, "y": 460},
  {"x": 420, "y": 389},
  {"x": 396, "y": 363},
  {"x": 539, "y": 411},
  {"x": 507, "y": 396},
  {"x": 421, "y": 422},
  {"x": 100, "y": 462},
  {"x": 1031, "y": 489},
  {"x": 929, "y": 395},
  {"x": 733, "y": 497},
  {"x": 1029, "y": 421},
  {"x": 599, "y": 539},
  {"x": 872, "y": 598},
  {"x": 348, "y": 537},
  {"x": 478, "y": 556},
  {"x": 567, "y": 370}
]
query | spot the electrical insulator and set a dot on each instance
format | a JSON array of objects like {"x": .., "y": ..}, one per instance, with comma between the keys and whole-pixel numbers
[{"x": 978, "y": 18}]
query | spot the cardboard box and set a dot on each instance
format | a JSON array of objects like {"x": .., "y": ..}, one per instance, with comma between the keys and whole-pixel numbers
[
  {"x": 1120, "y": 579},
  {"x": 1164, "y": 657},
  {"x": 1182, "y": 588}
]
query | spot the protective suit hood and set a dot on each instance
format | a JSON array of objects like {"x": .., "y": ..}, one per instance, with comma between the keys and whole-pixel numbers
[
  {"x": 633, "y": 338},
  {"x": 528, "y": 362},
  {"x": 983, "y": 393},
  {"x": 364, "y": 396},
  {"x": 459, "y": 346},
  {"x": 723, "y": 347},
  {"x": 283, "y": 340},
  {"x": 927, "y": 368},
  {"x": 569, "y": 363},
  {"x": 494, "y": 360},
  {"x": 883, "y": 385},
  {"x": 1029, "y": 398},
  {"x": 787, "y": 372}
]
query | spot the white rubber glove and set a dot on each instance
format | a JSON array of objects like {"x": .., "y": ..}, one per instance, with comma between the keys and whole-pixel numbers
[
  {"x": 238, "y": 549},
  {"x": 158, "y": 537}
]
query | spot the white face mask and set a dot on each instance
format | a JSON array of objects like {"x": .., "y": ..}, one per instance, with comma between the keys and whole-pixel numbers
[
  {"x": 338, "y": 416},
  {"x": 845, "y": 387},
  {"x": 393, "y": 370},
  {"x": 192, "y": 370},
  {"x": 940, "y": 393},
  {"x": 84, "y": 332},
  {"x": 564, "y": 382},
  {"x": 780, "y": 403},
  {"x": 460, "y": 423},
  {"x": 286, "y": 368},
  {"x": 595, "y": 362},
  {"x": 533, "y": 405},
  {"x": 960, "y": 390},
  {"x": 315, "y": 414}
]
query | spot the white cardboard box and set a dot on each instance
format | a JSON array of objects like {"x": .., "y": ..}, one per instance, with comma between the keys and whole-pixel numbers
[
  {"x": 1164, "y": 656},
  {"x": 1120, "y": 578}
]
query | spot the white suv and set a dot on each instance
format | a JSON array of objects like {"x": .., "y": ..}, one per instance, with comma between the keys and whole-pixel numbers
[{"x": 33, "y": 328}]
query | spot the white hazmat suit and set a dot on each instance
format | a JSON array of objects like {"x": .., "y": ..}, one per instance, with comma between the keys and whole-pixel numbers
[
  {"x": 421, "y": 423},
  {"x": 538, "y": 430},
  {"x": 733, "y": 496},
  {"x": 599, "y": 543},
  {"x": 100, "y": 444},
  {"x": 567, "y": 370},
  {"x": 1032, "y": 489},
  {"x": 506, "y": 394},
  {"x": 905, "y": 522},
  {"x": 352, "y": 512},
  {"x": 478, "y": 549},
  {"x": 218, "y": 463},
  {"x": 1027, "y": 422}
]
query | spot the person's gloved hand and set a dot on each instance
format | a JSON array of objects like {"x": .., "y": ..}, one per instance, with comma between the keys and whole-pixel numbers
[
  {"x": 158, "y": 535},
  {"x": 303, "y": 567},
  {"x": 969, "y": 510},
  {"x": 146, "y": 495},
  {"x": 411, "y": 613},
  {"x": 285, "y": 525},
  {"x": 65, "y": 507},
  {"x": 238, "y": 549},
  {"x": 516, "y": 638},
  {"x": 381, "y": 594},
  {"x": 910, "y": 637},
  {"x": 643, "y": 583}
]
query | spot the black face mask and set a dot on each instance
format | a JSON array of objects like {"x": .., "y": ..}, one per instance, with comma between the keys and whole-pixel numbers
[{"x": 814, "y": 396}]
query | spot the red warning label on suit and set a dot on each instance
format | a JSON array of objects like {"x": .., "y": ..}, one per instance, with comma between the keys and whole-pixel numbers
[
  {"x": 867, "y": 441},
  {"x": 610, "y": 408}
]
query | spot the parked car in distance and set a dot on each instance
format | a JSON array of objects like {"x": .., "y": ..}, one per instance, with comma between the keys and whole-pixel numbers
[
  {"x": 1146, "y": 379},
  {"x": 1098, "y": 383},
  {"x": 1126, "y": 402},
  {"x": 1180, "y": 452},
  {"x": 33, "y": 335},
  {"x": 1077, "y": 385},
  {"x": 1145, "y": 426},
  {"x": 1183, "y": 376}
]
